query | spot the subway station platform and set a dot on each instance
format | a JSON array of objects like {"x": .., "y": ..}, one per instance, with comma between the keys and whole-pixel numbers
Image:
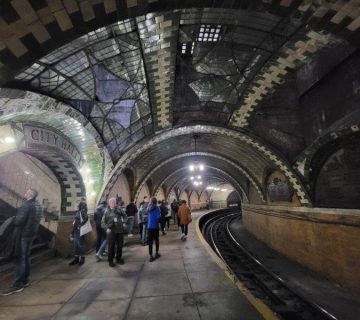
[{"x": 184, "y": 283}]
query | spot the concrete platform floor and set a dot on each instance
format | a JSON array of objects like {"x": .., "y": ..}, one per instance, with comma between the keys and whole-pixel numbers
[{"x": 184, "y": 283}]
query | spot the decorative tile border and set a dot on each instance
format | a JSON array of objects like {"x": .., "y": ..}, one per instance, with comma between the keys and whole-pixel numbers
[{"x": 273, "y": 159}]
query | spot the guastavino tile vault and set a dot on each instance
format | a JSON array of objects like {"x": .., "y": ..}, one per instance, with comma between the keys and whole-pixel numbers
[{"x": 184, "y": 155}]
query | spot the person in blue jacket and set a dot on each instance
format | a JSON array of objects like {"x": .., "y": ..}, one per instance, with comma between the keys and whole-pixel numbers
[{"x": 153, "y": 228}]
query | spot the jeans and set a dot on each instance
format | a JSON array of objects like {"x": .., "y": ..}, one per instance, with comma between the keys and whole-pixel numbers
[
  {"x": 184, "y": 229},
  {"x": 101, "y": 236},
  {"x": 102, "y": 248},
  {"x": 115, "y": 240},
  {"x": 144, "y": 233},
  {"x": 78, "y": 243},
  {"x": 141, "y": 230},
  {"x": 130, "y": 221},
  {"x": 153, "y": 236},
  {"x": 23, "y": 266}
]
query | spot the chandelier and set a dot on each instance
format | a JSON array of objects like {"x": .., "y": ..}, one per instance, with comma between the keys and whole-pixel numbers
[{"x": 196, "y": 167}]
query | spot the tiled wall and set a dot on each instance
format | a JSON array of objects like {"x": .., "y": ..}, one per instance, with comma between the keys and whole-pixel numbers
[
  {"x": 160, "y": 195},
  {"x": 143, "y": 192},
  {"x": 121, "y": 187},
  {"x": 19, "y": 172},
  {"x": 325, "y": 240}
]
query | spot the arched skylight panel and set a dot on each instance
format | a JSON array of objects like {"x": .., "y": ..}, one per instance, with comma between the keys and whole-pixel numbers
[
  {"x": 128, "y": 42},
  {"x": 73, "y": 64},
  {"x": 68, "y": 90},
  {"x": 99, "y": 34},
  {"x": 116, "y": 127},
  {"x": 121, "y": 112},
  {"x": 214, "y": 89},
  {"x": 124, "y": 26},
  {"x": 48, "y": 80},
  {"x": 105, "y": 49},
  {"x": 117, "y": 66},
  {"x": 107, "y": 132},
  {"x": 218, "y": 61},
  {"x": 30, "y": 72},
  {"x": 85, "y": 80}
]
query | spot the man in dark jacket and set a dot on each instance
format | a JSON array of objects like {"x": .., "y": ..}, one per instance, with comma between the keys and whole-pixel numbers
[
  {"x": 99, "y": 213},
  {"x": 113, "y": 222},
  {"x": 131, "y": 210},
  {"x": 28, "y": 220}
]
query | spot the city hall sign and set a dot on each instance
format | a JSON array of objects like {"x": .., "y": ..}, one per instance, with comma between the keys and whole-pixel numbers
[{"x": 40, "y": 137}]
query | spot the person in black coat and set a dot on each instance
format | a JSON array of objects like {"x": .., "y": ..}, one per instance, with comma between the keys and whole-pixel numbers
[
  {"x": 81, "y": 218},
  {"x": 27, "y": 220},
  {"x": 99, "y": 213}
]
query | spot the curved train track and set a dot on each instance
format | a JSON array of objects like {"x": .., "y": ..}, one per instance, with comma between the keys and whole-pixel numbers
[{"x": 263, "y": 283}]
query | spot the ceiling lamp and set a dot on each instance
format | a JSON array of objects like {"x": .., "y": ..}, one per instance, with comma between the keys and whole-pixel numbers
[{"x": 196, "y": 166}]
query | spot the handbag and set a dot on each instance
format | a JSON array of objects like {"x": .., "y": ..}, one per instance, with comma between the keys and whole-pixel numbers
[{"x": 86, "y": 228}]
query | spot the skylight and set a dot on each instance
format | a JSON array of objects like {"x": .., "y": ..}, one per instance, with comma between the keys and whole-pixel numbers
[{"x": 209, "y": 33}]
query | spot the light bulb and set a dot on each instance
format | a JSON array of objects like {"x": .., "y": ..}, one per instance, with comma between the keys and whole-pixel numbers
[
  {"x": 9, "y": 139},
  {"x": 201, "y": 167},
  {"x": 191, "y": 178},
  {"x": 191, "y": 167}
]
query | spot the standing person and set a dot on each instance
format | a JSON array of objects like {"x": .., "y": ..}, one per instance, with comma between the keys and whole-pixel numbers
[
  {"x": 113, "y": 222},
  {"x": 101, "y": 235},
  {"x": 28, "y": 220},
  {"x": 131, "y": 210},
  {"x": 174, "y": 209},
  {"x": 168, "y": 216},
  {"x": 80, "y": 219},
  {"x": 153, "y": 229},
  {"x": 184, "y": 214},
  {"x": 143, "y": 218},
  {"x": 163, "y": 213}
]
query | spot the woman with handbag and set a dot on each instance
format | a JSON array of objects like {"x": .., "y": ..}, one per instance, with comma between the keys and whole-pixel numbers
[{"x": 81, "y": 218}]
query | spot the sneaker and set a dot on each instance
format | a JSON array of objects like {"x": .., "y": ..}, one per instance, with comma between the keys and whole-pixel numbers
[
  {"x": 26, "y": 284},
  {"x": 151, "y": 259},
  {"x": 182, "y": 236},
  {"x": 98, "y": 257},
  {"x": 120, "y": 261},
  {"x": 164, "y": 233},
  {"x": 74, "y": 262},
  {"x": 81, "y": 261},
  {"x": 112, "y": 264},
  {"x": 157, "y": 255},
  {"x": 130, "y": 235},
  {"x": 12, "y": 290}
]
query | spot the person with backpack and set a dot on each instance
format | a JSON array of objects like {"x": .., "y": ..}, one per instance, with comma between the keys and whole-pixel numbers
[
  {"x": 153, "y": 229},
  {"x": 113, "y": 222},
  {"x": 143, "y": 218}
]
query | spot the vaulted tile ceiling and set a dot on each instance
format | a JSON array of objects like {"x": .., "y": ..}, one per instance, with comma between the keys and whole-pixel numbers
[{"x": 137, "y": 68}]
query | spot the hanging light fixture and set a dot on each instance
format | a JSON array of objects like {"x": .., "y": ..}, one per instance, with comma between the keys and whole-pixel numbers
[{"x": 196, "y": 166}]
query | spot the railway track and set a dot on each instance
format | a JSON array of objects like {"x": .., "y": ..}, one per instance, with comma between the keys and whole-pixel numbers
[{"x": 263, "y": 283}]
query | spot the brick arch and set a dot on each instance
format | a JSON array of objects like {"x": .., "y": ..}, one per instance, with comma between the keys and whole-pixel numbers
[
  {"x": 70, "y": 180},
  {"x": 226, "y": 177},
  {"x": 272, "y": 156}
]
